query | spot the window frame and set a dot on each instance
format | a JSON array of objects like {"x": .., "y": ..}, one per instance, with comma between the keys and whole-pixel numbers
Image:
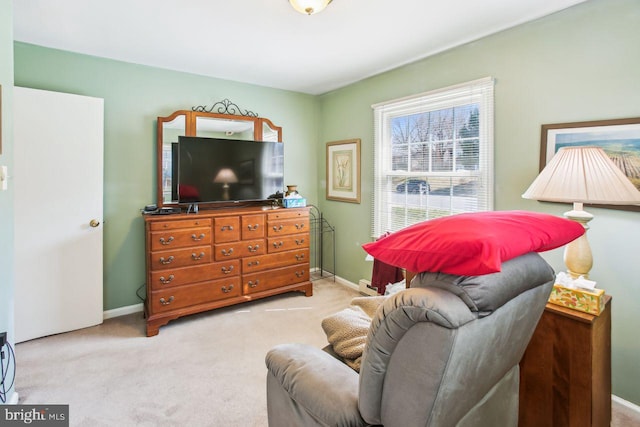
[{"x": 474, "y": 92}]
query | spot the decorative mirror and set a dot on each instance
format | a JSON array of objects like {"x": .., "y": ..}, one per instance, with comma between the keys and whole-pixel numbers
[{"x": 223, "y": 119}]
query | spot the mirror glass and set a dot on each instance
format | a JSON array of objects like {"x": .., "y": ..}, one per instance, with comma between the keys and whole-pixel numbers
[
  {"x": 212, "y": 125},
  {"x": 269, "y": 133},
  {"x": 171, "y": 130},
  {"x": 224, "y": 128}
]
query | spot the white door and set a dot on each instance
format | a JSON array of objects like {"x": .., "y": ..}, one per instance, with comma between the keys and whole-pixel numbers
[{"x": 58, "y": 178}]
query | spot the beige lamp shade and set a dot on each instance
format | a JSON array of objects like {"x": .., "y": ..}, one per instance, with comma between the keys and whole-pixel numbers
[
  {"x": 584, "y": 175},
  {"x": 309, "y": 7}
]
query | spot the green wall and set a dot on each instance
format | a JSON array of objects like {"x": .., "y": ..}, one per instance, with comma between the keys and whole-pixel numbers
[
  {"x": 6, "y": 159},
  {"x": 134, "y": 96},
  {"x": 577, "y": 65}
]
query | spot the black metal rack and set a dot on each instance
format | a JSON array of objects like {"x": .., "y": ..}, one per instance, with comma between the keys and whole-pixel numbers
[{"x": 322, "y": 235}]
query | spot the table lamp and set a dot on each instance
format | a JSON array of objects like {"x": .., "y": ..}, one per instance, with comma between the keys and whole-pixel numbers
[
  {"x": 226, "y": 176},
  {"x": 581, "y": 175}
]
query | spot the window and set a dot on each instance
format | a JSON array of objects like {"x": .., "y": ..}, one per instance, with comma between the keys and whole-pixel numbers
[{"x": 433, "y": 155}]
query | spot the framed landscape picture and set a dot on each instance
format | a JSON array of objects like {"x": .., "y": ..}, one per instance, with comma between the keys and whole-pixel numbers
[
  {"x": 619, "y": 138},
  {"x": 343, "y": 171}
]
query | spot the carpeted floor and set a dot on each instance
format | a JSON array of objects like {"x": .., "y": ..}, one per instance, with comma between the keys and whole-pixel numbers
[{"x": 202, "y": 370}]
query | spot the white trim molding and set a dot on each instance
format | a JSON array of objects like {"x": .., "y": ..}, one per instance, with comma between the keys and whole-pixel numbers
[{"x": 122, "y": 311}]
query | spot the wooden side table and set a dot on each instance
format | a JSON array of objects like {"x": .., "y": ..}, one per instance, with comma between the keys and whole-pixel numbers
[{"x": 565, "y": 373}]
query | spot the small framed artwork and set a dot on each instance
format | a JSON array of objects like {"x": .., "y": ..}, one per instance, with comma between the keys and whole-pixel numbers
[
  {"x": 343, "y": 170},
  {"x": 619, "y": 138}
]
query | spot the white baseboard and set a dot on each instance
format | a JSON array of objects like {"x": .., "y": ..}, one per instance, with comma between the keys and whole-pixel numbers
[
  {"x": 347, "y": 283},
  {"x": 625, "y": 403},
  {"x": 123, "y": 311}
]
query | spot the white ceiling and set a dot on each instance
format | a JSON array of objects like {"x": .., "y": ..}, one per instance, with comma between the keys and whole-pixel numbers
[{"x": 266, "y": 42}]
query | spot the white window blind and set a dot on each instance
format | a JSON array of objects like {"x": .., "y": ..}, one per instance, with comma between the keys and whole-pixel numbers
[{"x": 433, "y": 155}]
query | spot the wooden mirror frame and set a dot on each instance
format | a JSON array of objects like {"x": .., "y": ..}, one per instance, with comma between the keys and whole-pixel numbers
[{"x": 191, "y": 119}]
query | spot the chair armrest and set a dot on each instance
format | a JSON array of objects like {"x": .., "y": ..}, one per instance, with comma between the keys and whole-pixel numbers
[{"x": 320, "y": 384}]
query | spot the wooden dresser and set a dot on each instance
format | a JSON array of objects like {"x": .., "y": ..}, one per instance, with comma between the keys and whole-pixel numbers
[
  {"x": 565, "y": 373},
  {"x": 217, "y": 258}
]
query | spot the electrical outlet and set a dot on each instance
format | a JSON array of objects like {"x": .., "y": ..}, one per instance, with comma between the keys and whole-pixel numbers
[{"x": 3, "y": 339}]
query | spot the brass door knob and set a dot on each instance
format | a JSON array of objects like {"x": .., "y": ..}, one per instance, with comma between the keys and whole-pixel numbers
[{"x": 94, "y": 223}]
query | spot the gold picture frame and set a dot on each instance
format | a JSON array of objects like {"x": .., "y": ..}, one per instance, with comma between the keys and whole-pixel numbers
[{"x": 343, "y": 170}]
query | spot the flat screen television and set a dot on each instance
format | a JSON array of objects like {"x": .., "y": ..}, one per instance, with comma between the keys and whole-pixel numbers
[{"x": 217, "y": 170}]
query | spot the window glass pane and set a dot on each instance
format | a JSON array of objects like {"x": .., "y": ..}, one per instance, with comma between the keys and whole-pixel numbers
[
  {"x": 441, "y": 125},
  {"x": 420, "y": 158},
  {"x": 400, "y": 158}
]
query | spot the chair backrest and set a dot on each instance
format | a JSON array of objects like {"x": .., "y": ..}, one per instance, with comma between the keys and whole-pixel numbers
[{"x": 436, "y": 350}]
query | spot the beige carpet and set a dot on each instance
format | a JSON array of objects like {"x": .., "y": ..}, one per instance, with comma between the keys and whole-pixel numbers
[{"x": 203, "y": 370}]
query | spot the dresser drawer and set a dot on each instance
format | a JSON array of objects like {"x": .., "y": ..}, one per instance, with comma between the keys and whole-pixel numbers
[
  {"x": 163, "y": 240},
  {"x": 287, "y": 243},
  {"x": 185, "y": 296},
  {"x": 180, "y": 258},
  {"x": 186, "y": 223},
  {"x": 288, "y": 226},
  {"x": 253, "y": 227},
  {"x": 287, "y": 214},
  {"x": 226, "y": 229},
  {"x": 180, "y": 276},
  {"x": 235, "y": 250},
  {"x": 265, "y": 262},
  {"x": 258, "y": 282}
]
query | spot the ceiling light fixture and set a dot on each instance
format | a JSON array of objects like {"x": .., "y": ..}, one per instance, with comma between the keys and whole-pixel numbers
[{"x": 309, "y": 7}]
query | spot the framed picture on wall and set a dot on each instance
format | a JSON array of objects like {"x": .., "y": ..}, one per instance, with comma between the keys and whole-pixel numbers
[
  {"x": 343, "y": 170},
  {"x": 619, "y": 138}
]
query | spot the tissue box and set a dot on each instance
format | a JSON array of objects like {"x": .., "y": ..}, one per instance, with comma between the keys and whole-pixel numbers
[
  {"x": 591, "y": 302},
  {"x": 294, "y": 203}
]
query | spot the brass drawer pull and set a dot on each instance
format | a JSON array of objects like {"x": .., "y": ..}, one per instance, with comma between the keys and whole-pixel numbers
[
  {"x": 226, "y": 253},
  {"x": 299, "y": 256},
  {"x": 299, "y": 242},
  {"x": 253, "y": 284},
  {"x": 253, "y": 227},
  {"x": 278, "y": 228},
  {"x": 300, "y": 226},
  {"x": 277, "y": 244},
  {"x": 227, "y": 270},
  {"x": 227, "y": 290},
  {"x": 166, "y": 242},
  {"x": 226, "y": 227},
  {"x": 252, "y": 263},
  {"x": 299, "y": 273},
  {"x": 197, "y": 257},
  {"x": 166, "y": 261},
  {"x": 166, "y": 302},
  {"x": 200, "y": 237},
  {"x": 253, "y": 248},
  {"x": 166, "y": 281}
]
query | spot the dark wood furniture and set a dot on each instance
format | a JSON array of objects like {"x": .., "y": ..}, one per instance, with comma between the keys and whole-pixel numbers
[
  {"x": 565, "y": 374},
  {"x": 217, "y": 258}
]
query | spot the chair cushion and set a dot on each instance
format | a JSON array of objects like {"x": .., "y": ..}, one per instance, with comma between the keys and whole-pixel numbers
[
  {"x": 485, "y": 293},
  {"x": 472, "y": 244}
]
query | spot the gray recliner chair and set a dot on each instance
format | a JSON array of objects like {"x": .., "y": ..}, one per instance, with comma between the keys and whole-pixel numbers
[{"x": 443, "y": 353}]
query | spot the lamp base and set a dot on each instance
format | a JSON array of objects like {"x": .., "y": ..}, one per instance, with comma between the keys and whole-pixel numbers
[{"x": 577, "y": 254}]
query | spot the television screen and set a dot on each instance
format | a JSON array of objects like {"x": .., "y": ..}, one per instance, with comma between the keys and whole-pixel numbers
[{"x": 228, "y": 170}]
